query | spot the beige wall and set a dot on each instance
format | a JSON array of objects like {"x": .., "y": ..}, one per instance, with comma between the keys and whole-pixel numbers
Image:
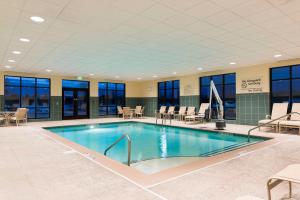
[{"x": 189, "y": 85}]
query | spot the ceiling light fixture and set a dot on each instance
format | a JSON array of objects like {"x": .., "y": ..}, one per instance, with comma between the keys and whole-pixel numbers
[
  {"x": 232, "y": 63},
  {"x": 154, "y": 76},
  {"x": 7, "y": 67},
  {"x": 11, "y": 61},
  {"x": 24, "y": 40},
  {"x": 37, "y": 19},
  {"x": 277, "y": 55},
  {"x": 199, "y": 68},
  {"x": 139, "y": 78},
  {"x": 16, "y": 52},
  {"x": 117, "y": 76},
  {"x": 48, "y": 70},
  {"x": 174, "y": 73}
]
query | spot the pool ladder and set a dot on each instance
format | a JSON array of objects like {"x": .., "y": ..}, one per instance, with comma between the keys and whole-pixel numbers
[
  {"x": 116, "y": 142},
  {"x": 269, "y": 122}
]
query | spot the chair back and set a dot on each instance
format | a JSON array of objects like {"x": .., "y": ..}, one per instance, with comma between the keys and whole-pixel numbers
[
  {"x": 120, "y": 110},
  {"x": 171, "y": 110},
  {"x": 182, "y": 110},
  {"x": 191, "y": 110},
  {"x": 203, "y": 108},
  {"x": 21, "y": 113},
  {"x": 138, "y": 109},
  {"x": 279, "y": 109},
  {"x": 162, "y": 109},
  {"x": 295, "y": 108}
]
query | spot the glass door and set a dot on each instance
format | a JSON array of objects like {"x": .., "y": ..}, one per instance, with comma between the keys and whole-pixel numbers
[{"x": 75, "y": 103}]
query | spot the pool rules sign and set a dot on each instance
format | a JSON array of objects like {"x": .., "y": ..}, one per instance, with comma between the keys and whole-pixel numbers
[{"x": 252, "y": 85}]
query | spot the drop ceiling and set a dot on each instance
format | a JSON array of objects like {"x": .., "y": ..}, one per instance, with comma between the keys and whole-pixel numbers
[{"x": 143, "y": 38}]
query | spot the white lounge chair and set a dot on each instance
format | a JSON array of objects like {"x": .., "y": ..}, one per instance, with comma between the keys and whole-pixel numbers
[
  {"x": 138, "y": 111},
  {"x": 170, "y": 113},
  {"x": 159, "y": 113},
  {"x": 190, "y": 112},
  {"x": 120, "y": 111},
  {"x": 291, "y": 174},
  {"x": 294, "y": 121},
  {"x": 201, "y": 114},
  {"x": 179, "y": 114},
  {"x": 2, "y": 119},
  {"x": 20, "y": 115},
  {"x": 278, "y": 110}
]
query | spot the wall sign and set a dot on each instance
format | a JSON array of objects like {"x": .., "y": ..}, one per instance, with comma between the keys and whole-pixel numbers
[{"x": 252, "y": 85}]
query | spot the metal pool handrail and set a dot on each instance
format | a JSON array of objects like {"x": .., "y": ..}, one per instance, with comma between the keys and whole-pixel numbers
[
  {"x": 256, "y": 127},
  {"x": 116, "y": 142}
]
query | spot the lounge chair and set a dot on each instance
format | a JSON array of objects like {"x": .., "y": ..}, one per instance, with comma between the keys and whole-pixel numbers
[
  {"x": 120, "y": 111},
  {"x": 190, "y": 112},
  {"x": 127, "y": 114},
  {"x": 170, "y": 112},
  {"x": 159, "y": 113},
  {"x": 291, "y": 174},
  {"x": 294, "y": 121},
  {"x": 2, "y": 119},
  {"x": 138, "y": 111},
  {"x": 20, "y": 115},
  {"x": 179, "y": 114},
  {"x": 201, "y": 114},
  {"x": 279, "y": 109}
]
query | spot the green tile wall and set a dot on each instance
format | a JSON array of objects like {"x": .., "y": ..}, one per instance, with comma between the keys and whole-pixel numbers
[
  {"x": 55, "y": 108},
  {"x": 190, "y": 101},
  {"x": 150, "y": 104},
  {"x": 94, "y": 107},
  {"x": 1, "y": 102},
  {"x": 252, "y": 107}
]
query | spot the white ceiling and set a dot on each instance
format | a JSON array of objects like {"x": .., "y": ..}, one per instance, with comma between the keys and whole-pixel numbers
[{"x": 142, "y": 38}]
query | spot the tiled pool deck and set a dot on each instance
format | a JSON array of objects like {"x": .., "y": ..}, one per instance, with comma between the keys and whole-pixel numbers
[{"x": 36, "y": 166}]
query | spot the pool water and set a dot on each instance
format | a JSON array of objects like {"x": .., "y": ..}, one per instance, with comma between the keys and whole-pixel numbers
[{"x": 151, "y": 141}]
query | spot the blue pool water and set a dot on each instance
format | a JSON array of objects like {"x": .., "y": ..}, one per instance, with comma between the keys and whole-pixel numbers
[{"x": 152, "y": 141}]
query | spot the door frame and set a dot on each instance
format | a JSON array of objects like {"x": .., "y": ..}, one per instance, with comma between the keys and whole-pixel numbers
[{"x": 75, "y": 91}]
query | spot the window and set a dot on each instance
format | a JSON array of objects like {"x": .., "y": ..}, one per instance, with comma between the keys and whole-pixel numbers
[
  {"x": 225, "y": 84},
  {"x": 27, "y": 92},
  {"x": 110, "y": 95},
  {"x": 285, "y": 83},
  {"x": 168, "y": 93}
]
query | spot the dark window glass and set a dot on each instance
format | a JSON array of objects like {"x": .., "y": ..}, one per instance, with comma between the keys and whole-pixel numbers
[
  {"x": 110, "y": 95},
  {"x": 226, "y": 87},
  {"x": 168, "y": 93},
  {"x": 75, "y": 84},
  {"x": 285, "y": 82},
  {"x": 280, "y": 73},
  {"x": 28, "y": 92}
]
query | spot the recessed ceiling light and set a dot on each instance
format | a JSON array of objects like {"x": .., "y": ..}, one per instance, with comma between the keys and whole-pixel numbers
[
  {"x": 92, "y": 74},
  {"x": 199, "y": 68},
  {"x": 174, "y": 73},
  {"x": 277, "y": 55},
  {"x": 37, "y": 19},
  {"x": 117, "y": 76},
  {"x": 154, "y": 76},
  {"x": 139, "y": 78},
  {"x": 12, "y": 61},
  {"x": 16, "y": 52},
  {"x": 48, "y": 70},
  {"x": 7, "y": 67},
  {"x": 24, "y": 40},
  {"x": 232, "y": 63}
]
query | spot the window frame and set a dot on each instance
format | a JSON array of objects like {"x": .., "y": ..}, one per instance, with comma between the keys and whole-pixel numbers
[
  {"x": 290, "y": 81},
  {"x": 36, "y": 87},
  {"x": 222, "y": 96},
  {"x": 161, "y": 100},
  {"x": 106, "y": 97}
]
